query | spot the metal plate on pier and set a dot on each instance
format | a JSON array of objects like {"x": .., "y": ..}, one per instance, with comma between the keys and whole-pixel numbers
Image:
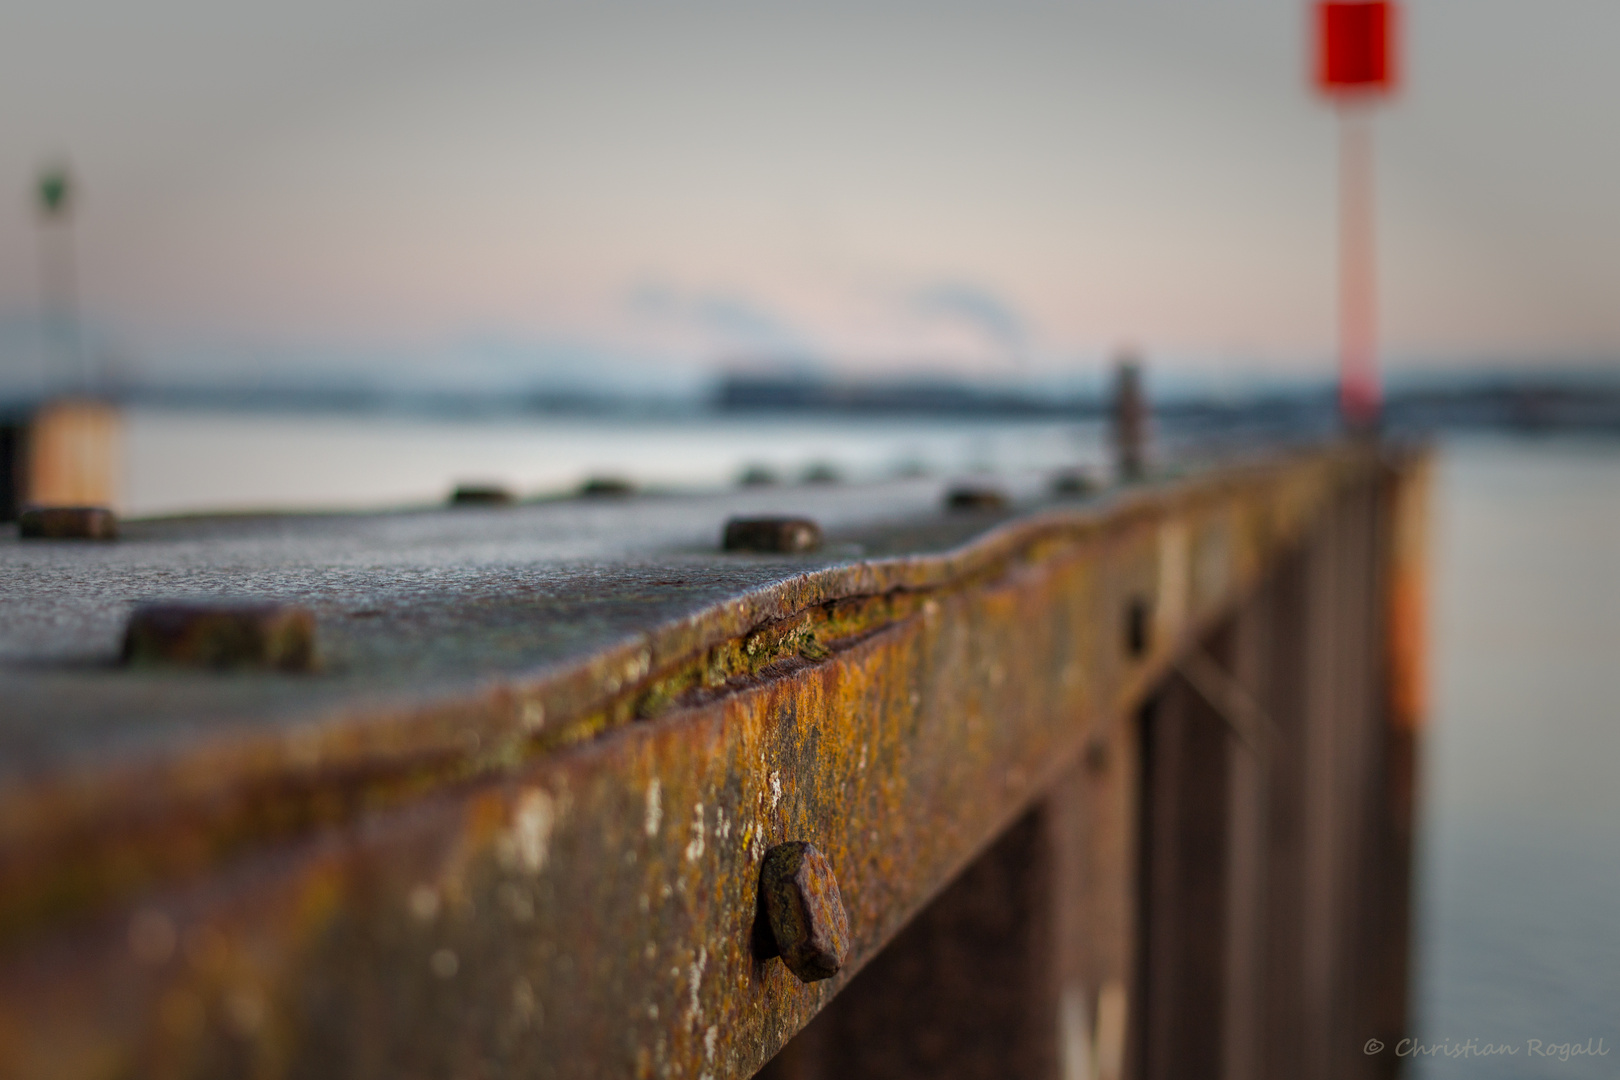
[{"x": 512, "y": 823}]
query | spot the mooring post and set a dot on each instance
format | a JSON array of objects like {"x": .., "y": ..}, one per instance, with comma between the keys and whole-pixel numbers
[
  {"x": 72, "y": 455},
  {"x": 1129, "y": 420}
]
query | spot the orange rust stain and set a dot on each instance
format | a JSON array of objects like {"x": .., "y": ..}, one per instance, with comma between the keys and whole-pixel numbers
[{"x": 1408, "y": 597}]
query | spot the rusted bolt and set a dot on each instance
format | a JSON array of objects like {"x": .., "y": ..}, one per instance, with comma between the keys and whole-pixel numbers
[
  {"x": 607, "y": 487},
  {"x": 802, "y": 904},
  {"x": 789, "y": 534},
  {"x": 975, "y": 497},
  {"x": 67, "y": 523},
  {"x": 480, "y": 495},
  {"x": 757, "y": 476},
  {"x": 1073, "y": 483},
  {"x": 221, "y": 635}
]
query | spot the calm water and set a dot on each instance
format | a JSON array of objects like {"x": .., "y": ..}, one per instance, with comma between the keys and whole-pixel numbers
[
  {"x": 1519, "y": 931},
  {"x": 179, "y": 461},
  {"x": 1519, "y": 905}
]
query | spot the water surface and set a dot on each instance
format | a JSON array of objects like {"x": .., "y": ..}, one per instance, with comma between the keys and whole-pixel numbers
[
  {"x": 178, "y": 460},
  {"x": 1519, "y": 924}
]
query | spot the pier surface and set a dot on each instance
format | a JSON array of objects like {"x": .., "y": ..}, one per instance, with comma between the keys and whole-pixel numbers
[{"x": 511, "y": 822}]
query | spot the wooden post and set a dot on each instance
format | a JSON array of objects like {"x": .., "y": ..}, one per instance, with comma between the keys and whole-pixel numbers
[
  {"x": 1248, "y": 901},
  {"x": 1130, "y": 420},
  {"x": 1283, "y": 1049},
  {"x": 1093, "y": 812},
  {"x": 1183, "y": 885},
  {"x": 73, "y": 456}
]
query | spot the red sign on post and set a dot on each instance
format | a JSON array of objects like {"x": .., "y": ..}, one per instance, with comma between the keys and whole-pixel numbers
[
  {"x": 1355, "y": 46},
  {"x": 1355, "y": 62}
]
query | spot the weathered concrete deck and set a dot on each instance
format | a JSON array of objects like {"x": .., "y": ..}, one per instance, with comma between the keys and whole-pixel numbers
[{"x": 512, "y": 826}]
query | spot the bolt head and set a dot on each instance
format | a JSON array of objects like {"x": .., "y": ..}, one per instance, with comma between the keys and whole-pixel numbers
[
  {"x": 772, "y": 534},
  {"x": 480, "y": 495},
  {"x": 67, "y": 523},
  {"x": 221, "y": 635},
  {"x": 805, "y": 910},
  {"x": 973, "y": 497},
  {"x": 1074, "y": 483},
  {"x": 598, "y": 487}
]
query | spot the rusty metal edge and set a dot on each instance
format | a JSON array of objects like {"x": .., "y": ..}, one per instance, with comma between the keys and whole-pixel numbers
[
  {"x": 337, "y": 914},
  {"x": 72, "y": 843}
]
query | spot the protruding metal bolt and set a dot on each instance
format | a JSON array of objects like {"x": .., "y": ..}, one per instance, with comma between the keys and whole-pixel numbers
[
  {"x": 480, "y": 495},
  {"x": 822, "y": 472},
  {"x": 800, "y": 896},
  {"x": 221, "y": 635},
  {"x": 1074, "y": 483},
  {"x": 607, "y": 487},
  {"x": 975, "y": 497},
  {"x": 780, "y": 534},
  {"x": 67, "y": 523},
  {"x": 758, "y": 475}
]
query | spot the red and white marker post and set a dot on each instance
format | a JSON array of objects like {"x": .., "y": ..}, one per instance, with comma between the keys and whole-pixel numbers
[{"x": 1355, "y": 67}]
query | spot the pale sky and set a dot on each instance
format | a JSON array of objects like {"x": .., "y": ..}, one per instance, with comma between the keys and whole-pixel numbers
[{"x": 1007, "y": 186}]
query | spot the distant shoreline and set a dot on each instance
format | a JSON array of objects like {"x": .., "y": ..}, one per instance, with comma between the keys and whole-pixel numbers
[{"x": 1524, "y": 404}]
